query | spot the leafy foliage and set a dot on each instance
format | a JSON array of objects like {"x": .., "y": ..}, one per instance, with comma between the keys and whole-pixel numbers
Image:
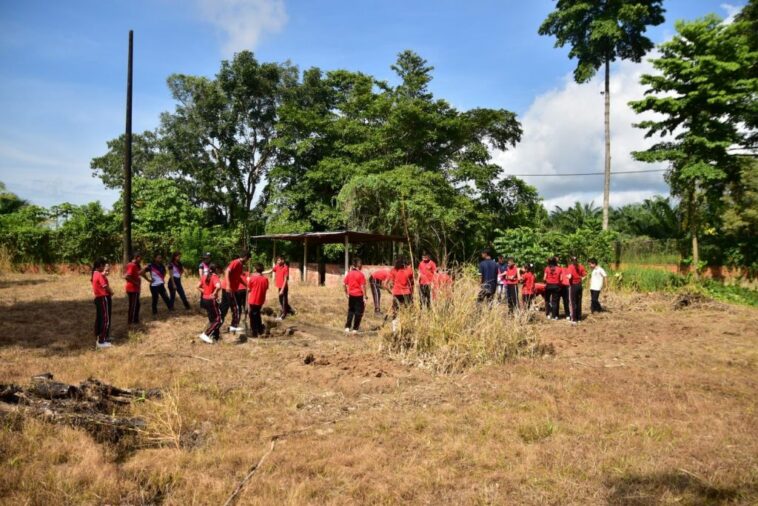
[{"x": 576, "y": 217}]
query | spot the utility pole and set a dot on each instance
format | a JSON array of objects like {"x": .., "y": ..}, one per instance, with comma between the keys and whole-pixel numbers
[
  {"x": 127, "y": 196},
  {"x": 607, "y": 168}
]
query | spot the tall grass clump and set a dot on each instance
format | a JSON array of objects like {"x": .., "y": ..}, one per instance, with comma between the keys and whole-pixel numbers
[
  {"x": 647, "y": 280},
  {"x": 456, "y": 332}
]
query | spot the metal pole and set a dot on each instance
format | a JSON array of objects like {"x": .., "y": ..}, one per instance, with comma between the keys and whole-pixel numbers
[{"x": 127, "y": 195}]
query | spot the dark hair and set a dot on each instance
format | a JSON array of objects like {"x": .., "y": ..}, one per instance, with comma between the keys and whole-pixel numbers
[
  {"x": 211, "y": 269},
  {"x": 245, "y": 253},
  {"x": 98, "y": 263},
  {"x": 174, "y": 261},
  {"x": 511, "y": 259},
  {"x": 356, "y": 261},
  {"x": 552, "y": 262},
  {"x": 400, "y": 263},
  {"x": 258, "y": 267},
  {"x": 136, "y": 254},
  {"x": 593, "y": 260}
]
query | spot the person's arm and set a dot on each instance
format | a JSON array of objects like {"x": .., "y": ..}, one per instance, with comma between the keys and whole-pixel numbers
[
  {"x": 216, "y": 290},
  {"x": 108, "y": 286},
  {"x": 226, "y": 280},
  {"x": 344, "y": 286},
  {"x": 286, "y": 281},
  {"x": 144, "y": 274}
]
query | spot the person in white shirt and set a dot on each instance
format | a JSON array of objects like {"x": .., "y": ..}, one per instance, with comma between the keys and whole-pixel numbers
[{"x": 597, "y": 283}]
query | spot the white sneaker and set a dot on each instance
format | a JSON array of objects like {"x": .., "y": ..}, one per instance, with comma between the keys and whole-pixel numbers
[
  {"x": 104, "y": 344},
  {"x": 279, "y": 319},
  {"x": 355, "y": 332},
  {"x": 235, "y": 329},
  {"x": 574, "y": 323},
  {"x": 347, "y": 330},
  {"x": 206, "y": 339},
  {"x": 548, "y": 316},
  {"x": 568, "y": 318}
]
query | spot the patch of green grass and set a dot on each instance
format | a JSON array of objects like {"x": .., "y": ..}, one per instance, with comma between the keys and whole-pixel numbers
[
  {"x": 533, "y": 432},
  {"x": 647, "y": 280},
  {"x": 731, "y": 293}
]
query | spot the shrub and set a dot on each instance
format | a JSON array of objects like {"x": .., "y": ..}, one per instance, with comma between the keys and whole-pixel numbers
[
  {"x": 647, "y": 280},
  {"x": 457, "y": 333}
]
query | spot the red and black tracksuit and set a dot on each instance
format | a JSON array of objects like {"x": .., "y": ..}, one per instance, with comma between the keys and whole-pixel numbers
[
  {"x": 552, "y": 277},
  {"x": 577, "y": 272},
  {"x": 103, "y": 304},
  {"x": 209, "y": 284}
]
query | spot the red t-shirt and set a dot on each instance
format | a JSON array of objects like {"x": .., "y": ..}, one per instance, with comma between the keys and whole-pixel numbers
[
  {"x": 223, "y": 283},
  {"x": 426, "y": 272},
  {"x": 552, "y": 275},
  {"x": 528, "y": 279},
  {"x": 282, "y": 274},
  {"x": 210, "y": 287},
  {"x": 99, "y": 284},
  {"x": 354, "y": 281},
  {"x": 539, "y": 289},
  {"x": 235, "y": 274},
  {"x": 577, "y": 273},
  {"x": 381, "y": 274},
  {"x": 565, "y": 281},
  {"x": 402, "y": 281},
  {"x": 132, "y": 269},
  {"x": 258, "y": 286},
  {"x": 511, "y": 275}
]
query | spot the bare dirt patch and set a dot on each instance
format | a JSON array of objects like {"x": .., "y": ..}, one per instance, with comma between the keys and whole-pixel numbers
[{"x": 642, "y": 405}]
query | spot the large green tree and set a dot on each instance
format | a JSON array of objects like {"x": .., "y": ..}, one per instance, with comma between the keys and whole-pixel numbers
[
  {"x": 599, "y": 33},
  {"x": 345, "y": 133},
  {"x": 704, "y": 95},
  {"x": 148, "y": 160}
]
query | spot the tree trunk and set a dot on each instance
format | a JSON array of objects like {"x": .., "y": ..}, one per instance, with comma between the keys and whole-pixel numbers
[
  {"x": 607, "y": 182},
  {"x": 693, "y": 234}
]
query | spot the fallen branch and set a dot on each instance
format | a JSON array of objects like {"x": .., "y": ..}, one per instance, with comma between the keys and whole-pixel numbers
[{"x": 167, "y": 354}]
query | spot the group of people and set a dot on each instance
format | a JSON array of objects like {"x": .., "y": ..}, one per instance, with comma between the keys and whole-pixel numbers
[
  {"x": 501, "y": 280},
  {"x": 221, "y": 290},
  {"x": 234, "y": 289}
]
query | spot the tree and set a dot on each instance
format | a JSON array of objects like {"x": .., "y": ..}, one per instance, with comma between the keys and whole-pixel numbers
[
  {"x": 704, "y": 92},
  {"x": 600, "y": 32},
  {"x": 148, "y": 160},
  {"x": 573, "y": 218},
  {"x": 9, "y": 201},
  {"x": 87, "y": 233},
  {"x": 657, "y": 218},
  {"x": 343, "y": 133}
]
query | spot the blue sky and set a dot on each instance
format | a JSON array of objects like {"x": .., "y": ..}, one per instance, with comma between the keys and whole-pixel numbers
[{"x": 62, "y": 77}]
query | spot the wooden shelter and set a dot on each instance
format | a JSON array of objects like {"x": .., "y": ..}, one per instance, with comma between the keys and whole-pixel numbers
[{"x": 345, "y": 237}]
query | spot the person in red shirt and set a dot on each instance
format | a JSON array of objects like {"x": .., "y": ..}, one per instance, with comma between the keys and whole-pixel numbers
[
  {"x": 576, "y": 274},
  {"x": 103, "y": 299},
  {"x": 426, "y": 271},
  {"x": 527, "y": 293},
  {"x": 132, "y": 274},
  {"x": 210, "y": 286},
  {"x": 443, "y": 285},
  {"x": 355, "y": 289},
  {"x": 565, "y": 284},
  {"x": 552, "y": 278},
  {"x": 235, "y": 286},
  {"x": 401, "y": 283},
  {"x": 258, "y": 286},
  {"x": 376, "y": 282},
  {"x": 281, "y": 272},
  {"x": 511, "y": 277}
]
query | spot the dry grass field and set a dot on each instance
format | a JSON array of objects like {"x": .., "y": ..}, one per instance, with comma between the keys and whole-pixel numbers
[{"x": 642, "y": 405}]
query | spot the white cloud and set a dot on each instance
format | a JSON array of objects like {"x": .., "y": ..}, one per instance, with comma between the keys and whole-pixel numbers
[
  {"x": 563, "y": 133},
  {"x": 243, "y": 21},
  {"x": 731, "y": 12}
]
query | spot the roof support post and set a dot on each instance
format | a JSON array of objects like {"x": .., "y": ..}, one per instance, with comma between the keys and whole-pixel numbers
[
  {"x": 347, "y": 253},
  {"x": 305, "y": 260}
]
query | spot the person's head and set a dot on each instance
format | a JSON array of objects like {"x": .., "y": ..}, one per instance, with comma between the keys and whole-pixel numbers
[
  {"x": 552, "y": 262},
  {"x": 593, "y": 262},
  {"x": 206, "y": 258},
  {"x": 176, "y": 256},
  {"x": 529, "y": 267},
  {"x": 258, "y": 267},
  {"x": 500, "y": 259},
  {"x": 574, "y": 260},
  {"x": 280, "y": 260},
  {"x": 158, "y": 258},
  {"x": 400, "y": 263},
  {"x": 107, "y": 268},
  {"x": 357, "y": 263},
  {"x": 511, "y": 261},
  {"x": 425, "y": 257},
  {"x": 244, "y": 255},
  {"x": 212, "y": 269},
  {"x": 486, "y": 254},
  {"x": 136, "y": 257},
  {"x": 99, "y": 265}
]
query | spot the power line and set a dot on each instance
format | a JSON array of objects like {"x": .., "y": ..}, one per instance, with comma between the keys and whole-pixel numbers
[{"x": 589, "y": 173}]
